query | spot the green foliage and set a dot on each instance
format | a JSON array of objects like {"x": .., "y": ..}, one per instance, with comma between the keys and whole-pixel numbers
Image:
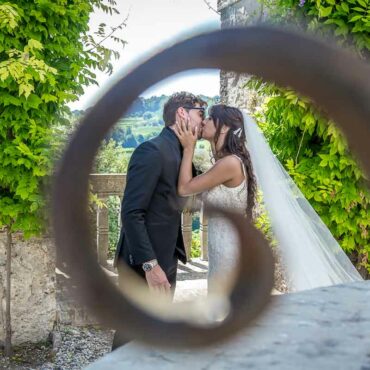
[
  {"x": 113, "y": 205},
  {"x": 130, "y": 141},
  {"x": 347, "y": 21},
  {"x": 316, "y": 156},
  {"x": 9, "y": 17},
  {"x": 46, "y": 58},
  {"x": 195, "y": 251},
  {"x": 111, "y": 158},
  {"x": 262, "y": 221},
  {"x": 311, "y": 148}
]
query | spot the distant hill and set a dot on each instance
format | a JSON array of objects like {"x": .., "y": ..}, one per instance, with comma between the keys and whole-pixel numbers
[
  {"x": 141, "y": 122},
  {"x": 142, "y": 105},
  {"x": 154, "y": 105}
]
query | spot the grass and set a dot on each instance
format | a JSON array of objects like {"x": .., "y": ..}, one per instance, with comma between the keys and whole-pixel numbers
[
  {"x": 130, "y": 121},
  {"x": 144, "y": 130}
]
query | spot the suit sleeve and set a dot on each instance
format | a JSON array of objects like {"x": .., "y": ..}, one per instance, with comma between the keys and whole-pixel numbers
[{"x": 142, "y": 177}]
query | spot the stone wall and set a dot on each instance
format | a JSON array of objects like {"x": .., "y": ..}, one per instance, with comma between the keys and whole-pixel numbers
[
  {"x": 238, "y": 13},
  {"x": 33, "y": 288}
]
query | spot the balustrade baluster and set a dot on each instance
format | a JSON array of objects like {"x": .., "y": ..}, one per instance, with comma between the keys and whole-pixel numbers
[
  {"x": 203, "y": 234},
  {"x": 186, "y": 224}
]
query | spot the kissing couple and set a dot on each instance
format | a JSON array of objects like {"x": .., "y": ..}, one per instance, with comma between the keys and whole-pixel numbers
[{"x": 161, "y": 176}]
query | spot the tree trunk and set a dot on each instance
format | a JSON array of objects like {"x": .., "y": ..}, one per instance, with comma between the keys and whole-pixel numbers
[{"x": 8, "y": 325}]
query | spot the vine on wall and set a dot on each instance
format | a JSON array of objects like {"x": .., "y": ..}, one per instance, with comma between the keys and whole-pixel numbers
[{"x": 308, "y": 143}]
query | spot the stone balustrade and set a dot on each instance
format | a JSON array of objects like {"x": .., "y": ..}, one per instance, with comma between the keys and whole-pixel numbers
[{"x": 106, "y": 185}]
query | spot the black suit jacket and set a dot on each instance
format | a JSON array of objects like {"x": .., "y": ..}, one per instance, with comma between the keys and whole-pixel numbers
[{"x": 151, "y": 209}]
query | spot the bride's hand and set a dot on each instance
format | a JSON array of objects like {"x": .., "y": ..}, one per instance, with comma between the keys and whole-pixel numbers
[{"x": 185, "y": 134}]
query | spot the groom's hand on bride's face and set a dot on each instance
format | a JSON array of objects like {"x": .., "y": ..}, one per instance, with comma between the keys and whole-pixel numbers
[{"x": 157, "y": 280}]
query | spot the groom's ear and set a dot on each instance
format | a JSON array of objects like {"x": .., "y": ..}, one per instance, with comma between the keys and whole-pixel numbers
[{"x": 182, "y": 112}]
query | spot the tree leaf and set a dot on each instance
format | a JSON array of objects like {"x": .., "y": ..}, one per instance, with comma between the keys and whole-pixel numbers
[{"x": 325, "y": 12}]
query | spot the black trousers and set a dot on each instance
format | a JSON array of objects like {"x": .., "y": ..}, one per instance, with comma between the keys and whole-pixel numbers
[{"x": 119, "y": 338}]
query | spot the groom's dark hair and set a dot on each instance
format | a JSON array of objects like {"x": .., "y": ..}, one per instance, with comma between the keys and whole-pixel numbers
[{"x": 177, "y": 100}]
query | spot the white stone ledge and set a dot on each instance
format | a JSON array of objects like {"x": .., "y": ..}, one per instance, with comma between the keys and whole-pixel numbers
[{"x": 325, "y": 328}]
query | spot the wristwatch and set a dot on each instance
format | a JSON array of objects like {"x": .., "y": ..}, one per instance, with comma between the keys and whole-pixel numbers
[{"x": 148, "y": 266}]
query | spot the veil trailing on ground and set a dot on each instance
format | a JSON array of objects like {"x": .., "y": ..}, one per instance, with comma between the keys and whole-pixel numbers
[{"x": 311, "y": 255}]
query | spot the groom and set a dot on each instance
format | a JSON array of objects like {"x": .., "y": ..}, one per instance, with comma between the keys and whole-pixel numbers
[{"x": 151, "y": 240}]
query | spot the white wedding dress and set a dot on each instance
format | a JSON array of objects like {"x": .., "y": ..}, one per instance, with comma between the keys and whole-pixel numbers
[
  {"x": 223, "y": 239},
  {"x": 311, "y": 255}
]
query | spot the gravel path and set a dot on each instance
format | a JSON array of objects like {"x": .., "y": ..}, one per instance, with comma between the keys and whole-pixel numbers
[
  {"x": 78, "y": 347},
  {"x": 81, "y": 346}
]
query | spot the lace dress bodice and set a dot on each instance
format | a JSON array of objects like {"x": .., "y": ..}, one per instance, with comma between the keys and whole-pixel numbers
[
  {"x": 228, "y": 198},
  {"x": 223, "y": 241}
]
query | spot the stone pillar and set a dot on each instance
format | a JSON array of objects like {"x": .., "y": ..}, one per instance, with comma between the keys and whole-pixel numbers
[
  {"x": 203, "y": 234},
  {"x": 238, "y": 13},
  {"x": 103, "y": 231},
  {"x": 93, "y": 219},
  {"x": 119, "y": 213},
  {"x": 105, "y": 185},
  {"x": 186, "y": 226}
]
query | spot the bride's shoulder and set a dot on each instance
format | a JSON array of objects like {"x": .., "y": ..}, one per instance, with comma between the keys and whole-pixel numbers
[
  {"x": 230, "y": 160},
  {"x": 229, "y": 164}
]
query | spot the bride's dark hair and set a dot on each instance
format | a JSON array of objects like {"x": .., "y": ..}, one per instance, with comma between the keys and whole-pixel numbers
[{"x": 224, "y": 115}]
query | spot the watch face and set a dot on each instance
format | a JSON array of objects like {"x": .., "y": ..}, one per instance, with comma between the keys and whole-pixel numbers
[{"x": 147, "y": 266}]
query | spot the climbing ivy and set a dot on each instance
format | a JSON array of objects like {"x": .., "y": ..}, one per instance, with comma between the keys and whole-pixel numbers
[
  {"x": 348, "y": 21},
  {"x": 308, "y": 143},
  {"x": 47, "y": 57}
]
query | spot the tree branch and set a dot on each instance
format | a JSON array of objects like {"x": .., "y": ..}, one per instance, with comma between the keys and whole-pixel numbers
[
  {"x": 300, "y": 145},
  {"x": 210, "y": 7},
  {"x": 110, "y": 34}
]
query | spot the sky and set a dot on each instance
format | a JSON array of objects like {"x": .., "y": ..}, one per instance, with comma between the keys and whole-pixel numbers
[{"x": 150, "y": 25}]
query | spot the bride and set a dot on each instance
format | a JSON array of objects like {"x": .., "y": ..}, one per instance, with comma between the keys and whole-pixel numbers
[{"x": 310, "y": 253}]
